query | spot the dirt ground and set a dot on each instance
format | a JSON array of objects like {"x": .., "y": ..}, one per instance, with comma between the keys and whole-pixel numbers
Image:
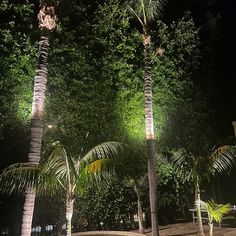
[{"x": 190, "y": 229}]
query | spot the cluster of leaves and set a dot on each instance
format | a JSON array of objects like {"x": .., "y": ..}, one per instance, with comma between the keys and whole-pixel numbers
[
  {"x": 110, "y": 205},
  {"x": 15, "y": 64}
]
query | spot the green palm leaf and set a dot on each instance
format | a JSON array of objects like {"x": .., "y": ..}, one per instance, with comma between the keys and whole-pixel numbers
[
  {"x": 145, "y": 11},
  {"x": 215, "y": 211},
  {"x": 223, "y": 159},
  {"x": 61, "y": 165},
  {"x": 18, "y": 177},
  {"x": 190, "y": 167},
  {"x": 184, "y": 163},
  {"x": 99, "y": 165},
  {"x": 48, "y": 184},
  {"x": 102, "y": 151}
]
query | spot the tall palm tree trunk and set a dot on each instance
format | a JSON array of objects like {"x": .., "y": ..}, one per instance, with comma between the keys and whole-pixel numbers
[
  {"x": 69, "y": 213},
  {"x": 40, "y": 82},
  {"x": 28, "y": 213},
  {"x": 150, "y": 134},
  {"x": 198, "y": 209},
  {"x": 47, "y": 23}
]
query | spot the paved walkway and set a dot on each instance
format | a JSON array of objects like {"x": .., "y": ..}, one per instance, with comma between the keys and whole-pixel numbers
[
  {"x": 180, "y": 229},
  {"x": 107, "y": 233},
  {"x": 232, "y": 233}
]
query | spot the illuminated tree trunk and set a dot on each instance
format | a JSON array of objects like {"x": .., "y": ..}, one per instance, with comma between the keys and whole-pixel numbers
[
  {"x": 69, "y": 213},
  {"x": 28, "y": 213},
  {"x": 211, "y": 229},
  {"x": 234, "y": 125},
  {"x": 150, "y": 135},
  {"x": 198, "y": 209},
  {"x": 40, "y": 82},
  {"x": 47, "y": 22}
]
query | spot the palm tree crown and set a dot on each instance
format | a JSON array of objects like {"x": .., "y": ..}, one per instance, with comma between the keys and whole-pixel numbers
[
  {"x": 61, "y": 171},
  {"x": 145, "y": 11},
  {"x": 196, "y": 168}
]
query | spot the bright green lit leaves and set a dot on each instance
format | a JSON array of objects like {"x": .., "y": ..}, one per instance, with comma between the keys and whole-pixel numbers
[{"x": 130, "y": 106}]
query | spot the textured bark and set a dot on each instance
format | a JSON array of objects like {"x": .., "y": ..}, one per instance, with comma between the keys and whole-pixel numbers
[
  {"x": 148, "y": 90},
  {"x": 150, "y": 135},
  {"x": 40, "y": 81},
  {"x": 59, "y": 229},
  {"x": 140, "y": 210},
  {"x": 211, "y": 229},
  {"x": 234, "y": 125},
  {"x": 198, "y": 209},
  {"x": 28, "y": 212},
  {"x": 69, "y": 213},
  {"x": 152, "y": 187}
]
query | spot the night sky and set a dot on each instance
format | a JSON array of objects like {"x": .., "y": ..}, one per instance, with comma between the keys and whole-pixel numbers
[
  {"x": 228, "y": 105},
  {"x": 225, "y": 100}
]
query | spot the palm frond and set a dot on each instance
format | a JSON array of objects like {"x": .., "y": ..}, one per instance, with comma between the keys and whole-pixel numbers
[
  {"x": 138, "y": 17},
  {"x": 215, "y": 211},
  {"x": 18, "y": 177},
  {"x": 146, "y": 10},
  {"x": 61, "y": 171},
  {"x": 136, "y": 184},
  {"x": 142, "y": 180},
  {"x": 183, "y": 162},
  {"x": 152, "y": 8},
  {"x": 223, "y": 159},
  {"x": 21, "y": 176},
  {"x": 99, "y": 165},
  {"x": 61, "y": 165},
  {"x": 48, "y": 184},
  {"x": 181, "y": 156},
  {"x": 105, "y": 150},
  {"x": 97, "y": 170}
]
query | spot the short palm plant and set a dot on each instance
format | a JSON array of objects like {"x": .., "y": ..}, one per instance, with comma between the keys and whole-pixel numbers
[
  {"x": 197, "y": 168},
  {"x": 215, "y": 212},
  {"x": 61, "y": 171}
]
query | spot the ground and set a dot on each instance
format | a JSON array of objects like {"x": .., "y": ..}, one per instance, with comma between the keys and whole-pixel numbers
[{"x": 188, "y": 229}]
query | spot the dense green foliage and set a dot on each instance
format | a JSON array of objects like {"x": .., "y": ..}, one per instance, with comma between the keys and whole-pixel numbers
[
  {"x": 95, "y": 94},
  {"x": 17, "y": 59},
  {"x": 16, "y": 64},
  {"x": 111, "y": 205}
]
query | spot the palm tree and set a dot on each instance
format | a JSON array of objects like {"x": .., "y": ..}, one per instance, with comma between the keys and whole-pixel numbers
[
  {"x": 61, "y": 172},
  {"x": 196, "y": 168},
  {"x": 215, "y": 212},
  {"x": 137, "y": 185},
  {"x": 47, "y": 23},
  {"x": 145, "y": 11}
]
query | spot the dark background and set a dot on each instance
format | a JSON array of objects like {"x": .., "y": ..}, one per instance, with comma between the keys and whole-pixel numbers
[{"x": 224, "y": 101}]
